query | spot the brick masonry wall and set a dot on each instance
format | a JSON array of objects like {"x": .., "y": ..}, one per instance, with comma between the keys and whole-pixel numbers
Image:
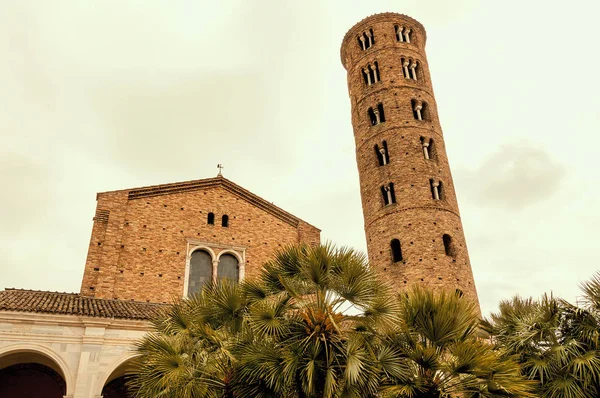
[
  {"x": 416, "y": 219},
  {"x": 139, "y": 250}
]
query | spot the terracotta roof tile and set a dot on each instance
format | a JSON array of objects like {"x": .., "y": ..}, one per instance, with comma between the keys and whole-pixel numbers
[{"x": 74, "y": 304}]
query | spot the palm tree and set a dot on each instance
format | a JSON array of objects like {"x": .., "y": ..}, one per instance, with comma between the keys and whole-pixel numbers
[
  {"x": 318, "y": 323},
  {"x": 188, "y": 352},
  {"x": 284, "y": 334},
  {"x": 436, "y": 350},
  {"x": 556, "y": 342},
  {"x": 306, "y": 343}
]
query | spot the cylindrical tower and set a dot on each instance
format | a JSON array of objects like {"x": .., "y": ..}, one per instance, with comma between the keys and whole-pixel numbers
[{"x": 412, "y": 223}]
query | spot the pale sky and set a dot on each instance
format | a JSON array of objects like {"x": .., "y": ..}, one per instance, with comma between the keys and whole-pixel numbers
[{"x": 103, "y": 95}]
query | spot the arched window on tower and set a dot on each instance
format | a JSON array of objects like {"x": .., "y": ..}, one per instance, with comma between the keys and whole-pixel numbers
[
  {"x": 211, "y": 219},
  {"x": 396, "y": 250},
  {"x": 402, "y": 33},
  {"x": 448, "y": 245},
  {"x": 200, "y": 272},
  {"x": 376, "y": 115},
  {"x": 428, "y": 148},
  {"x": 410, "y": 68},
  {"x": 229, "y": 268},
  {"x": 225, "y": 221},
  {"x": 420, "y": 110},
  {"x": 371, "y": 74},
  {"x": 382, "y": 153},
  {"x": 389, "y": 196},
  {"x": 366, "y": 39},
  {"x": 437, "y": 192}
]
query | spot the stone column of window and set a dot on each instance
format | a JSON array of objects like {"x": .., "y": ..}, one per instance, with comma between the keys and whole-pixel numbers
[
  {"x": 407, "y": 35},
  {"x": 368, "y": 76},
  {"x": 388, "y": 193},
  {"x": 215, "y": 270},
  {"x": 417, "y": 109},
  {"x": 436, "y": 193},
  {"x": 413, "y": 70},
  {"x": 362, "y": 40},
  {"x": 242, "y": 270},
  {"x": 426, "y": 149},
  {"x": 405, "y": 69},
  {"x": 383, "y": 155},
  {"x": 369, "y": 37},
  {"x": 376, "y": 113}
]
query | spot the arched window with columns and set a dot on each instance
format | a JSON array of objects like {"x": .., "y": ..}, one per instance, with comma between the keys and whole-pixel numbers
[
  {"x": 229, "y": 268},
  {"x": 200, "y": 273}
]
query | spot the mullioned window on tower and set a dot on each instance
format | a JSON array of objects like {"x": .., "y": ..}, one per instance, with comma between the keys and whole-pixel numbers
[
  {"x": 402, "y": 33},
  {"x": 420, "y": 110},
  {"x": 382, "y": 153},
  {"x": 389, "y": 196},
  {"x": 371, "y": 74},
  {"x": 437, "y": 191},
  {"x": 366, "y": 39},
  {"x": 428, "y": 148},
  {"x": 410, "y": 68},
  {"x": 376, "y": 115}
]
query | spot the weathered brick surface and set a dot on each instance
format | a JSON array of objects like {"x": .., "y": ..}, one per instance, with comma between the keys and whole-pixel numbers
[
  {"x": 416, "y": 219},
  {"x": 138, "y": 250}
]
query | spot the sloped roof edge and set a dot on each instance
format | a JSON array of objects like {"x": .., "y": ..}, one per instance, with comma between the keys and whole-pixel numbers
[
  {"x": 22, "y": 300},
  {"x": 219, "y": 181}
]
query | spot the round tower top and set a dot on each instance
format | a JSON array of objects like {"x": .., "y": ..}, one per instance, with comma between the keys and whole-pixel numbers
[{"x": 378, "y": 18}]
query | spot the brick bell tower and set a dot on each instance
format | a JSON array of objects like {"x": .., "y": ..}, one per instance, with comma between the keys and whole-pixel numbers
[{"x": 412, "y": 223}]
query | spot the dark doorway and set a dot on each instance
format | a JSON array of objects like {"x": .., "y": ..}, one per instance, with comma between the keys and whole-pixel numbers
[
  {"x": 31, "y": 380},
  {"x": 116, "y": 388}
]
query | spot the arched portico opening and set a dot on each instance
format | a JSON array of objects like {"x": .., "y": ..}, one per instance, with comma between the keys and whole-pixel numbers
[
  {"x": 31, "y": 374},
  {"x": 116, "y": 383}
]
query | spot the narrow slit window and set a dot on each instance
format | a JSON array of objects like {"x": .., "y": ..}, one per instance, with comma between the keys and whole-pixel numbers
[
  {"x": 381, "y": 113},
  {"x": 396, "y": 250},
  {"x": 211, "y": 219},
  {"x": 225, "y": 221},
  {"x": 448, "y": 245}
]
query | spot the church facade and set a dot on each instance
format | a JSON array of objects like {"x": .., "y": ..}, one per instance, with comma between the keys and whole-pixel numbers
[
  {"x": 149, "y": 246},
  {"x": 152, "y": 245}
]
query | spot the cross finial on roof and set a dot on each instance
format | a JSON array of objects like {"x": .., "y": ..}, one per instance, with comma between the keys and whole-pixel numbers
[{"x": 220, "y": 167}]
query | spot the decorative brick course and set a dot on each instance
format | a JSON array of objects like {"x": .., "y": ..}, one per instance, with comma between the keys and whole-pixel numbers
[{"x": 416, "y": 219}]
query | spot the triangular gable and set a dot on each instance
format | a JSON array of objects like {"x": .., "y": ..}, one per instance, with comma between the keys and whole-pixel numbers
[{"x": 222, "y": 182}]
